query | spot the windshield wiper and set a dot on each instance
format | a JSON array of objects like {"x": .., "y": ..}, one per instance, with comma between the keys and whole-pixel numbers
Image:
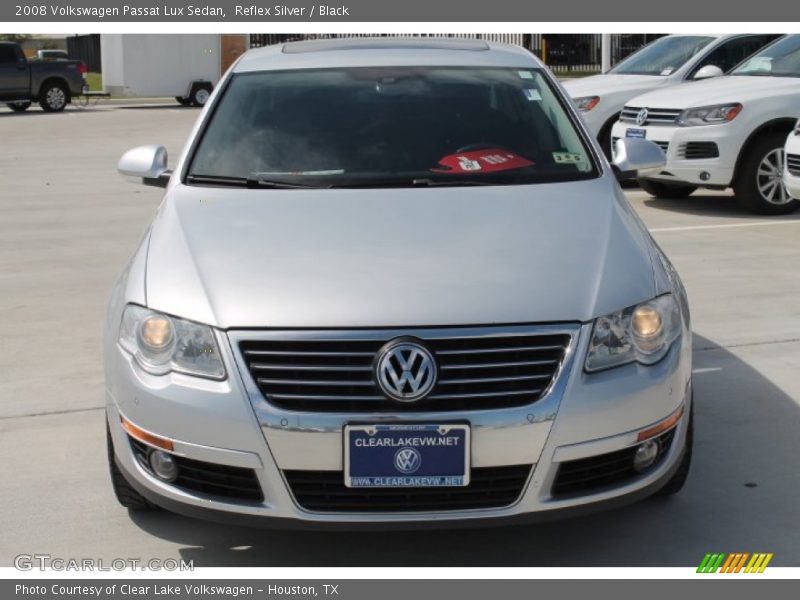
[
  {"x": 250, "y": 182},
  {"x": 421, "y": 182}
]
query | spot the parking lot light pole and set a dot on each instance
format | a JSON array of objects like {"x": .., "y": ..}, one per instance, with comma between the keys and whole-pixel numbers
[{"x": 605, "y": 52}]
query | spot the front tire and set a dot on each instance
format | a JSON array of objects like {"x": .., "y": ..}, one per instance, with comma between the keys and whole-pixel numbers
[
  {"x": 19, "y": 106},
  {"x": 759, "y": 184},
  {"x": 126, "y": 495},
  {"x": 666, "y": 190},
  {"x": 53, "y": 97}
]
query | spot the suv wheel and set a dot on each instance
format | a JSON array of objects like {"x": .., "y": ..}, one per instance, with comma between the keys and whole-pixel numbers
[
  {"x": 759, "y": 184},
  {"x": 126, "y": 495},
  {"x": 53, "y": 97},
  {"x": 658, "y": 189},
  {"x": 676, "y": 482},
  {"x": 19, "y": 106}
]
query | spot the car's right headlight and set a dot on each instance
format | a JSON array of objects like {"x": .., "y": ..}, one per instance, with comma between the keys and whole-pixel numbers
[
  {"x": 797, "y": 127},
  {"x": 642, "y": 333},
  {"x": 162, "y": 343},
  {"x": 586, "y": 103},
  {"x": 709, "y": 115}
]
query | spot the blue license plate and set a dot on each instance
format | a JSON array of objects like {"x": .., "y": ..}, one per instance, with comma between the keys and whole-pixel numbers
[
  {"x": 636, "y": 133},
  {"x": 406, "y": 455}
]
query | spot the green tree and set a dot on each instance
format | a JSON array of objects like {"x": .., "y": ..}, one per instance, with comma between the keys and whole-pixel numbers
[{"x": 18, "y": 38}]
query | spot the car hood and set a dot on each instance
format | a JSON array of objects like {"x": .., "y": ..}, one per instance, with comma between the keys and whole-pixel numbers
[
  {"x": 600, "y": 85},
  {"x": 719, "y": 90},
  {"x": 397, "y": 257}
]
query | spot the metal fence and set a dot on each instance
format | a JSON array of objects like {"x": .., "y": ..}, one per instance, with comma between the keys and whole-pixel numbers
[
  {"x": 87, "y": 49},
  {"x": 570, "y": 53}
]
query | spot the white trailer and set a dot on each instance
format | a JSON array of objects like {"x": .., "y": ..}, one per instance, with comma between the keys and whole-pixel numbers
[{"x": 180, "y": 65}]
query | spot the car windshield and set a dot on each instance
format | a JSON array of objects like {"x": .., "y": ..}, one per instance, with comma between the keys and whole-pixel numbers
[
  {"x": 390, "y": 126},
  {"x": 781, "y": 59},
  {"x": 663, "y": 56}
]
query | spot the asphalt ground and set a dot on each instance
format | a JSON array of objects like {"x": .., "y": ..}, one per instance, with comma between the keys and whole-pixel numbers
[{"x": 68, "y": 224}]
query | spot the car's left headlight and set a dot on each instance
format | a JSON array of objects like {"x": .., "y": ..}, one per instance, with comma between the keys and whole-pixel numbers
[
  {"x": 162, "y": 343},
  {"x": 642, "y": 333},
  {"x": 586, "y": 103},
  {"x": 709, "y": 115}
]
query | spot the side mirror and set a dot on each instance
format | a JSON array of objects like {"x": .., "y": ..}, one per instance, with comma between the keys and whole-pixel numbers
[
  {"x": 148, "y": 163},
  {"x": 633, "y": 155},
  {"x": 708, "y": 72}
]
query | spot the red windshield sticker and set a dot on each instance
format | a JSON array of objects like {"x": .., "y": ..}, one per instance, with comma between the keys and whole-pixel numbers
[{"x": 486, "y": 160}]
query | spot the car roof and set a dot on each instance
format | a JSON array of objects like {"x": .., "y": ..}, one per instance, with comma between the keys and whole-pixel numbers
[{"x": 375, "y": 52}]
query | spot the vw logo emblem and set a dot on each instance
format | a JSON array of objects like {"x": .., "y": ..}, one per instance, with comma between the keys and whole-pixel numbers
[
  {"x": 407, "y": 460},
  {"x": 405, "y": 371},
  {"x": 641, "y": 117}
]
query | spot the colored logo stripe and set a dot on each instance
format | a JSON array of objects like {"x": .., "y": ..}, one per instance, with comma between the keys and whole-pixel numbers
[{"x": 734, "y": 562}]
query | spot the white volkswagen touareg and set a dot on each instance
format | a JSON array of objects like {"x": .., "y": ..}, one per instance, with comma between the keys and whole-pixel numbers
[
  {"x": 728, "y": 132},
  {"x": 664, "y": 62},
  {"x": 393, "y": 282}
]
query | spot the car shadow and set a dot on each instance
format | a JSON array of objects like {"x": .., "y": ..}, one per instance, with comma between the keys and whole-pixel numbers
[
  {"x": 38, "y": 112},
  {"x": 702, "y": 204},
  {"x": 741, "y": 496},
  {"x": 155, "y": 106}
]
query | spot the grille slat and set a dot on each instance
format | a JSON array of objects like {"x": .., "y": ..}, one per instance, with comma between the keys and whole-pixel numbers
[
  {"x": 500, "y": 365},
  {"x": 313, "y": 382},
  {"x": 498, "y": 350},
  {"x": 477, "y": 370},
  {"x": 698, "y": 150},
  {"x": 793, "y": 164},
  {"x": 490, "y": 487}
]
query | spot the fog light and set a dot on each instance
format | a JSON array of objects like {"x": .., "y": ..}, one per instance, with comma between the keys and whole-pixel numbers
[
  {"x": 645, "y": 456},
  {"x": 705, "y": 176},
  {"x": 163, "y": 465}
]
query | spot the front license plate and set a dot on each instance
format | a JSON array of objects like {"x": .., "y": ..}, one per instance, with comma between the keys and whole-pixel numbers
[
  {"x": 408, "y": 455},
  {"x": 636, "y": 133}
]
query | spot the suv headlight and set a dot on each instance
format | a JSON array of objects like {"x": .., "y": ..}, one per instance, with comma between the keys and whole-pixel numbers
[
  {"x": 709, "y": 115},
  {"x": 642, "y": 333},
  {"x": 586, "y": 103},
  {"x": 160, "y": 344},
  {"x": 797, "y": 128}
]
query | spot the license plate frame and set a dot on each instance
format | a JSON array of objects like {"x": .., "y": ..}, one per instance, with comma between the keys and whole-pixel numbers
[
  {"x": 636, "y": 133},
  {"x": 374, "y": 464}
]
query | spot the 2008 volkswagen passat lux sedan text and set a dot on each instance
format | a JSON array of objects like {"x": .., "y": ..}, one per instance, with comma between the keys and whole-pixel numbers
[{"x": 393, "y": 283}]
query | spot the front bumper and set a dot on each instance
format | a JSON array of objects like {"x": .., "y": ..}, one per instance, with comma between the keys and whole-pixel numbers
[
  {"x": 717, "y": 171},
  {"x": 229, "y": 423}
]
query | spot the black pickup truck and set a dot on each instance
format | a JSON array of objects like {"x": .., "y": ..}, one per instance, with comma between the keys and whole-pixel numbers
[{"x": 50, "y": 83}]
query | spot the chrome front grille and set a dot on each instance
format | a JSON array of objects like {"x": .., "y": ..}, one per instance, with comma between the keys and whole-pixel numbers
[
  {"x": 655, "y": 116},
  {"x": 793, "y": 164},
  {"x": 330, "y": 371}
]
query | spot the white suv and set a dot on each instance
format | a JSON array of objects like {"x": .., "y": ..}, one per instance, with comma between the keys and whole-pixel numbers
[
  {"x": 665, "y": 62},
  {"x": 729, "y": 132}
]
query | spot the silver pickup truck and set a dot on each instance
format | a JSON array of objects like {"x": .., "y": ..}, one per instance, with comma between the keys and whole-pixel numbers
[{"x": 50, "y": 83}]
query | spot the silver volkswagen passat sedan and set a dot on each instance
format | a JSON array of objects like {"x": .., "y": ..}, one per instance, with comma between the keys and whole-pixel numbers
[{"x": 392, "y": 283}]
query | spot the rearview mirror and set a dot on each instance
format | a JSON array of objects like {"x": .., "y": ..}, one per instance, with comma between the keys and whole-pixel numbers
[
  {"x": 633, "y": 155},
  {"x": 708, "y": 72},
  {"x": 149, "y": 163}
]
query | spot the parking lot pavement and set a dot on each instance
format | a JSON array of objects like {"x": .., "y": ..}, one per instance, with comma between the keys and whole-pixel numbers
[{"x": 68, "y": 223}]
